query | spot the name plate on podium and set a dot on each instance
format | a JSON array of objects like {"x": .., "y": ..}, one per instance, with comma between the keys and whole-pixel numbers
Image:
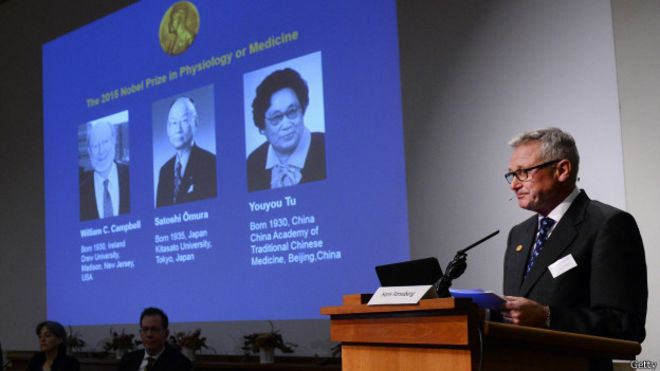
[{"x": 396, "y": 295}]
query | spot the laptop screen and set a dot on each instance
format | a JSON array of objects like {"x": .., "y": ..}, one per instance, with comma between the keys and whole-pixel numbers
[{"x": 425, "y": 271}]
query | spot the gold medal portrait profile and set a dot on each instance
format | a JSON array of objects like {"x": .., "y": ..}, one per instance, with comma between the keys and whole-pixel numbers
[{"x": 179, "y": 27}]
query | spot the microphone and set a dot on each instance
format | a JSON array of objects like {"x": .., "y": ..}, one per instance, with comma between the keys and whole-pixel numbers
[{"x": 456, "y": 268}]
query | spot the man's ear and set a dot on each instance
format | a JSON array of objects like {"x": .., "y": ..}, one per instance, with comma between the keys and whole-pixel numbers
[{"x": 564, "y": 169}]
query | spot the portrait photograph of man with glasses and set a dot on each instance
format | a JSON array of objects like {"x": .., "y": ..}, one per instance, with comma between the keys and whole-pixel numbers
[{"x": 104, "y": 167}]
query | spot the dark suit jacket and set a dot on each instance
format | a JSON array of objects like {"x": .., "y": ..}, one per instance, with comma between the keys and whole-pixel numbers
[
  {"x": 62, "y": 362},
  {"x": 198, "y": 181},
  {"x": 170, "y": 360},
  {"x": 606, "y": 293},
  {"x": 88, "y": 210},
  {"x": 314, "y": 169}
]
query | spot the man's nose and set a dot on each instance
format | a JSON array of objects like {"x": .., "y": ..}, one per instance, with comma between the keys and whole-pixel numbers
[{"x": 515, "y": 184}]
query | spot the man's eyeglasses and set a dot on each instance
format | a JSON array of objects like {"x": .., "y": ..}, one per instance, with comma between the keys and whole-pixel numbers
[
  {"x": 96, "y": 147},
  {"x": 523, "y": 174},
  {"x": 292, "y": 114},
  {"x": 153, "y": 330}
]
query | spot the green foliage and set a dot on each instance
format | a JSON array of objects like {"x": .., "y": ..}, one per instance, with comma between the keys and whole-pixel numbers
[{"x": 266, "y": 340}]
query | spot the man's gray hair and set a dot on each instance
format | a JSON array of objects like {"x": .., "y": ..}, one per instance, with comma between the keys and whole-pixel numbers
[
  {"x": 191, "y": 107},
  {"x": 92, "y": 124},
  {"x": 555, "y": 145}
]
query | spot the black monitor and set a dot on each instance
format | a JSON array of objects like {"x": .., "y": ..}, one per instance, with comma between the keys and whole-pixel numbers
[{"x": 425, "y": 271}]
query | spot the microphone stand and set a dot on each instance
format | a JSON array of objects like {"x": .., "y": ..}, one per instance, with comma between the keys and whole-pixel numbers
[{"x": 456, "y": 268}]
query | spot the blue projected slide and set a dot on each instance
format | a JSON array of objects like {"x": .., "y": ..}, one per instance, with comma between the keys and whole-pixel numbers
[{"x": 234, "y": 160}]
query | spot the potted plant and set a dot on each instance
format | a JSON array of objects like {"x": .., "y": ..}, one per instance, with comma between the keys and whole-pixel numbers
[
  {"x": 120, "y": 343},
  {"x": 264, "y": 343},
  {"x": 189, "y": 342},
  {"x": 74, "y": 342}
]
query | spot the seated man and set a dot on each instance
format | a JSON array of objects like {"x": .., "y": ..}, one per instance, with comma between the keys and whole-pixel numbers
[{"x": 157, "y": 354}]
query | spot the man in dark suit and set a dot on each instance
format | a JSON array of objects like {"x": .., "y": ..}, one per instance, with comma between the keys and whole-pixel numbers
[
  {"x": 157, "y": 354},
  {"x": 578, "y": 265},
  {"x": 190, "y": 174},
  {"x": 104, "y": 192}
]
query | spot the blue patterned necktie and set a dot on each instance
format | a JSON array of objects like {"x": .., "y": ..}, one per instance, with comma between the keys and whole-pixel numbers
[
  {"x": 177, "y": 180},
  {"x": 107, "y": 201},
  {"x": 546, "y": 224}
]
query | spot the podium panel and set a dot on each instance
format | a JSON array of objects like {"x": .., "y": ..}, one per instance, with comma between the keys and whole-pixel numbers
[
  {"x": 451, "y": 334},
  {"x": 392, "y": 358},
  {"x": 427, "y": 329}
]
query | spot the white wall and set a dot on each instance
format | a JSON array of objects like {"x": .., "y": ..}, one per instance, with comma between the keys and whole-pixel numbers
[
  {"x": 479, "y": 72},
  {"x": 637, "y": 40}
]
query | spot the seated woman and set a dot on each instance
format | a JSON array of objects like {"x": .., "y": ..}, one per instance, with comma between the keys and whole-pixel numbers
[
  {"x": 52, "y": 342},
  {"x": 291, "y": 154}
]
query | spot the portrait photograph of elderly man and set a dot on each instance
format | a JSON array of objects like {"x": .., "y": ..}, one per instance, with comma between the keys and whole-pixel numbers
[
  {"x": 184, "y": 145},
  {"x": 104, "y": 176},
  {"x": 291, "y": 153}
]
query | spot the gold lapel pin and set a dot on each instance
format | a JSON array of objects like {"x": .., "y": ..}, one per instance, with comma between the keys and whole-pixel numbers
[{"x": 519, "y": 248}]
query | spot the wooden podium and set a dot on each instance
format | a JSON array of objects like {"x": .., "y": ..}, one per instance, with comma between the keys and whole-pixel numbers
[{"x": 450, "y": 334}]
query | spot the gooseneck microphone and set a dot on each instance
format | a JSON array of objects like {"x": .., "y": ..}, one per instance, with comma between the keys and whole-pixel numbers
[{"x": 456, "y": 268}]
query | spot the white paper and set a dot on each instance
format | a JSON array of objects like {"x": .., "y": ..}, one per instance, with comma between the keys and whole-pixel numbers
[
  {"x": 562, "y": 266},
  {"x": 392, "y": 295}
]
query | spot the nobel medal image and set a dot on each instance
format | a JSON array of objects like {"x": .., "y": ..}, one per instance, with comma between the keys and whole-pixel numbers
[{"x": 179, "y": 27}]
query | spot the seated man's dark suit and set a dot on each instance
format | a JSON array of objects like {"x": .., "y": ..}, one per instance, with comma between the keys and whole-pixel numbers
[
  {"x": 170, "y": 360},
  {"x": 606, "y": 294},
  {"x": 197, "y": 183},
  {"x": 259, "y": 177},
  {"x": 88, "y": 209}
]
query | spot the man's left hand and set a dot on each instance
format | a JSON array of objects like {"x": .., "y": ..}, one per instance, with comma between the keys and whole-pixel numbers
[{"x": 525, "y": 312}]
